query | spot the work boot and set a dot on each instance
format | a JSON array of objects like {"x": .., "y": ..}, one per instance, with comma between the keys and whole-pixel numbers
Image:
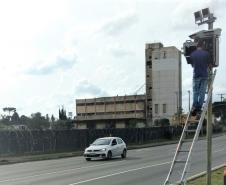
[{"x": 198, "y": 116}]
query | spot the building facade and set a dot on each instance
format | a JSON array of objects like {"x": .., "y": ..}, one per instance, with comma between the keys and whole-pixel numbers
[
  {"x": 111, "y": 112},
  {"x": 163, "y": 82}
]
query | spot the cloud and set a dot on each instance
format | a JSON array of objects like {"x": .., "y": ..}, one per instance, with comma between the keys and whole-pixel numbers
[
  {"x": 63, "y": 62},
  {"x": 119, "y": 51},
  {"x": 119, "y": 24},
  {"x": 86, "y": 89}
]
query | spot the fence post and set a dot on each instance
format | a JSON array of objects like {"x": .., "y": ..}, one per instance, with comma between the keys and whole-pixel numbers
[{"x": 225, "y": 176}]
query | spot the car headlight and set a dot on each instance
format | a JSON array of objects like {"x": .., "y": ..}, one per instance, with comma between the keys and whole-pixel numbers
[{"x": 103, "y": 149}]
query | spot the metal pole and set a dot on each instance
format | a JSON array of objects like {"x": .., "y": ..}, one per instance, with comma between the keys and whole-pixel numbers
[
  {"x": 177, "y": 107},
  {"x": 209, "y": 122},
  {"x": 189, "y": 107},
  {"x": 209, "y": 135},
  {"x": 224, "y": 176}
]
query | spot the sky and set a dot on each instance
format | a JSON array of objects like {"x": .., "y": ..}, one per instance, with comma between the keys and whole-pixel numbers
[{"x": 55, "y": 51}]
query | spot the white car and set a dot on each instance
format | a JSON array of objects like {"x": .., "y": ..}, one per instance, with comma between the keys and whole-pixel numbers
[{"x": 106, "y": 148}]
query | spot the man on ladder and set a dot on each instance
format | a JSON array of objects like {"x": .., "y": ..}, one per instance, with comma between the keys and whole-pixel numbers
[
  {"x": 182, "y": 157},
  {"x": 200, "y": 61}
]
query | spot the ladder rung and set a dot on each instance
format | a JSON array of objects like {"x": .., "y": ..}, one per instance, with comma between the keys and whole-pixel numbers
[
  {"x": 185, "y": 141},
  {"x": 183, "y": 150},
  {"x": 180, "y": 161},
  {"x": 193, "y": 121},
  {"x": 190, "y": 130}
]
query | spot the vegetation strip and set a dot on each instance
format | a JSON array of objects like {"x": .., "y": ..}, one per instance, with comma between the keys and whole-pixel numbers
[{"x": 217, "y": 177}]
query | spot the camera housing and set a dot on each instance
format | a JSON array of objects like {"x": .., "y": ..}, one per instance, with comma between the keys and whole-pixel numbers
[{"x": 210, "y": 40}]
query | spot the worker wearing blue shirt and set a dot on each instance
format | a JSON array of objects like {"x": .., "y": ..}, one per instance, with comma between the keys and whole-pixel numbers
[{"x": 200, "y": 61}]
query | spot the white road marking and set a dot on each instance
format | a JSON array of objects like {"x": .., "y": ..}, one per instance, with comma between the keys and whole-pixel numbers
[
  {"x": 119, "y": 173},
  {"x": 218, "y": 151},
  {"x": 54, "y": 172}
]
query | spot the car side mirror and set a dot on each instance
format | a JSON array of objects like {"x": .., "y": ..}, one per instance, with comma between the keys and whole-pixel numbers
[{"x": 113, "y": 144}]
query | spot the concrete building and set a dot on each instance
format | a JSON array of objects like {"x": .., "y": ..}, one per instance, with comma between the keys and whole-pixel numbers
[
  {"x": 163, "y": 82},
  {"x": 111, "y": 112}
]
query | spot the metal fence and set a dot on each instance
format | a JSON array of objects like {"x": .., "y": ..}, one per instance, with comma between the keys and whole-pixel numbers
[{"x": 38, "y": 141}]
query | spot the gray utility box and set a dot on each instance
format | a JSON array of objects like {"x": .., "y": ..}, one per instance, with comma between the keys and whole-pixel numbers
[{"x": 210, "y": 39}]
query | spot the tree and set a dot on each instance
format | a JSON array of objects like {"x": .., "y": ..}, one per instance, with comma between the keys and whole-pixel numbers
[
  {"x": 47, "y": 117},
  {"x": 5, "y": 120},
  {"x": 15, "y": 119},
  {"x": 24, "y": 120},
  {"x": 53, "y": 118},
  {"x": 38, "y": 121},
  {"x": 9, "y": 109},
  {"x": 62, "y": 114},
  {"x": 63, "y": 125}
]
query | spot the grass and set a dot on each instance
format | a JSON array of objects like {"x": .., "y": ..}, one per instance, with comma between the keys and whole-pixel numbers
[{"x": 217, "y": 178}]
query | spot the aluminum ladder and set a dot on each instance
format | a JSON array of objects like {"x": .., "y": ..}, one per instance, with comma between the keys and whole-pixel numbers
[{"x": 178, "y": 173}]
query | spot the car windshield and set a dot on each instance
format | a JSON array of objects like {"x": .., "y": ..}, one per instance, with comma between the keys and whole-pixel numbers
[{"x": 102, "y": 142}]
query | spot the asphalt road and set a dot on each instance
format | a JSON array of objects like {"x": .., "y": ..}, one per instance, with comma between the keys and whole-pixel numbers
[{"x": 148, "y": 166}]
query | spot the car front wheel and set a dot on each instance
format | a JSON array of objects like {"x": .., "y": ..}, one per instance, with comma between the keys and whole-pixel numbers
[
  {"x": 123, "y": 155},
  {"x": 88, "y": 159},
  {"x": 109, "y": 155}
]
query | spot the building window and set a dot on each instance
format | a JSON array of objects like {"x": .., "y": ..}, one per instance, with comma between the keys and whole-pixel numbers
[
  {"x": 148, "y": 63},
  {"x": 164, "y": 54},
  {"x": 156, "y": 108},
  {"x": 164, "y": 108}
]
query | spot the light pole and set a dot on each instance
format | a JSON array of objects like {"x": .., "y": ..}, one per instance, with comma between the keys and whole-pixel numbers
[
  {"x": 177, "y": 106},
  {"x": 222, "y": 97},
  {"x": 205, "y": 17},
  {"x": 189, "y": 107}
]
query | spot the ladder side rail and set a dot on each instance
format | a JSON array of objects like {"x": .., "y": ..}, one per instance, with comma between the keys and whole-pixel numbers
[
  {"x": 193, "y": 142},
  {"x": 182, "y": 137},
  {"x": 178, "y": 147},
  {"x": 199, "y": 126}
]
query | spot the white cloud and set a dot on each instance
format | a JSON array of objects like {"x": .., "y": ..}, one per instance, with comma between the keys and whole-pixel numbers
[
  {"x": 119, "y": 51},
  {"x": 86, "y": 89},
  {"x": 119, "y": 24},
  {"x": 64, "y": 61}
]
